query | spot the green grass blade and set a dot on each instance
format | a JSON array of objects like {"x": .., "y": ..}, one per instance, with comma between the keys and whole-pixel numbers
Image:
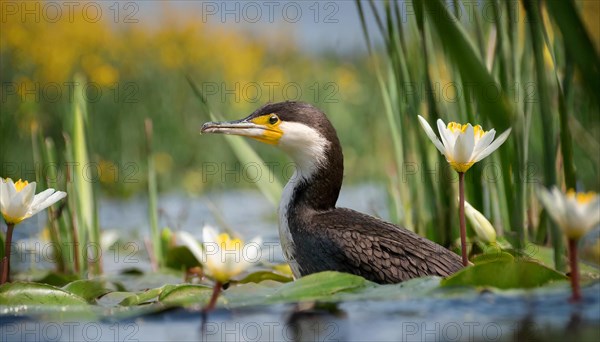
[
  {"x": 61, "y": 223},
  {"x": 153, "y": 200},
  {"x": 40, "y": 160},
  {"x": 78, "y": 233},
  {"x": 545, "y": 107},
  {"x": 577, "y": 41},
  {"x": 84, "y": 192},
  {"x": 363, "y": 24},
  {"x": 566, "y": 142},
  {"x": 456, "y": 42}
]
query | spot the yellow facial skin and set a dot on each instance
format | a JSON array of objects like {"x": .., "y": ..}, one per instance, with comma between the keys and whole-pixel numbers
[{"x": 272, "y": 132}]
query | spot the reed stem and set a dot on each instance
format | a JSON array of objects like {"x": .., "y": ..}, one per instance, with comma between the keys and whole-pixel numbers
[
  {"x": 461, "y": 214},
  {"x": 574, "y": 271},
  {"x": 5, "y": 277},
  {"x": 213, "y": 298}
]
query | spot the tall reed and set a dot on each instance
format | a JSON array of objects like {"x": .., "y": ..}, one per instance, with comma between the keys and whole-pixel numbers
[{"x": 430, "y": 44}]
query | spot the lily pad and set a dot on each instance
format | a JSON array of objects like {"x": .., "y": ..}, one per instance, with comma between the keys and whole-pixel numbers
[
  {"x": 143, "y": 297},
  {"x": 185, "y": 294},
  {"x": 113, "y": 299},
  {"x": 319, "y": 286},
  {"x": 22, "y": 293},
  {"x": 260, "y": 276},
  {"x": 492, "y": 256},
  {"x": 505, "y": 272},
  {"x": 56, "y": 279},
  {"x": 87, "y": 289},
  {"x": 406, "y": 290}
]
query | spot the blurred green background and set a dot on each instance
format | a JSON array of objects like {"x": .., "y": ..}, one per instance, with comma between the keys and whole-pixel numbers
[{"x": 138, "y": 70}]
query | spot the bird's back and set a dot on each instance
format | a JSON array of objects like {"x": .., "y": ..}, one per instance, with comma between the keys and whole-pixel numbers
[{"x": 348, "y": 241}]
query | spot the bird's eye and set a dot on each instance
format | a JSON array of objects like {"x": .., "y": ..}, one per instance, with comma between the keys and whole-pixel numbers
[{"x": 273, "y": 119}]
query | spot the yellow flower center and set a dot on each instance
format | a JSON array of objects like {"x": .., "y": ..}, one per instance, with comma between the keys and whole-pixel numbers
[
  {"x": 477, "y": 130},
  {"x": 581, "y": 197},
  {"x": 20, "y": 185},
  {"x": 455, "y": 126},
  {"x": 226, "y": 243}
]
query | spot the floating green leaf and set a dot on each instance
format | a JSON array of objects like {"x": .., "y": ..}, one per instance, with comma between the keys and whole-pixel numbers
[
  {"x": 87, "y": 289},
  {"x": 505, "y": 272},
  {"x": 113, "y": 299},
  {"x": 143, "y": 297},
  {"x": 22, "y": 293},
  {"x": 492, "y": 256},
  {"x": 319, "y": 286},
  {"x": 260, "y": 276},
  {"x": 408, "y": 289},
  {"x": 185, "y": 294},
  {"x": 56, "y": 279}
]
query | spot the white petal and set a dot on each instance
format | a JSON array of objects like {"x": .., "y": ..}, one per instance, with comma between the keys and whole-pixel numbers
[
  {"x": 211, "y": 247},
  {"x": 592, "y": 212},
  {"x": 12, "y": 190},
  {"x": 482, "y": 227},
  {"x": 229, "y": 263},
  {"x": 20, "y": 204},
  {"x": 57, "y": 196},
  {"x": 39, "y": 198},
  {"x": 554, "y": 207},
  {"x": 493, "y": 146},
  {"x": 574, "y": 221},
  {"x": 4, "y": 194},
  {"x": 432, "y": 135},
  {"x": 108, "y": 238},
  {"x": 32, "y": 184},
  {"x": 484, "y": 142},
  {"x": 463, "y": 148},
  {"x": 447, "y": 138},
  {"x": 209, "y": 234},
  {"x": 192, "y": 244}
]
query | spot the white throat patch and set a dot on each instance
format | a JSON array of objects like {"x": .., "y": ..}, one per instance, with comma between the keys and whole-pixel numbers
[{"x": 306, "y": 147}]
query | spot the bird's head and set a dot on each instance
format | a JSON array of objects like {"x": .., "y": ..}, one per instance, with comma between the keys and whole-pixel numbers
[{"x": 299, "y": 129}]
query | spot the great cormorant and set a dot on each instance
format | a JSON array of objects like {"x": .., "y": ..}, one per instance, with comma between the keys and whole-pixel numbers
[{"x": 315, "y": 234}]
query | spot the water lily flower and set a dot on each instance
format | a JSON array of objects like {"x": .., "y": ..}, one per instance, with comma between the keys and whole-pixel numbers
[
  {"x": 222, "y": 256},
  {"x": 463, "y": 145},
  {"x": 226, "y": 257},
  {"x": 575, "y": 213},
  {"x": 19, "y": 202},
  {"x": 482, "y": 227}
]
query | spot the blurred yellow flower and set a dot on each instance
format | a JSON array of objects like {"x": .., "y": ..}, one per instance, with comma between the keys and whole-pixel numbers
[
  {"x": 192, "y": 182},
  {"x": 163, "y": 163}
]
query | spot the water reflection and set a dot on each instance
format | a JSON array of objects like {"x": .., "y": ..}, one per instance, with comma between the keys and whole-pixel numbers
[{"x": 318, "y": 322}]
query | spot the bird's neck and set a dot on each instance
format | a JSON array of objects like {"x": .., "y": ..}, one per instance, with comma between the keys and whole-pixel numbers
[
  {"x": 316, "y": 182},
  {"x": 314, "y": 187}
]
